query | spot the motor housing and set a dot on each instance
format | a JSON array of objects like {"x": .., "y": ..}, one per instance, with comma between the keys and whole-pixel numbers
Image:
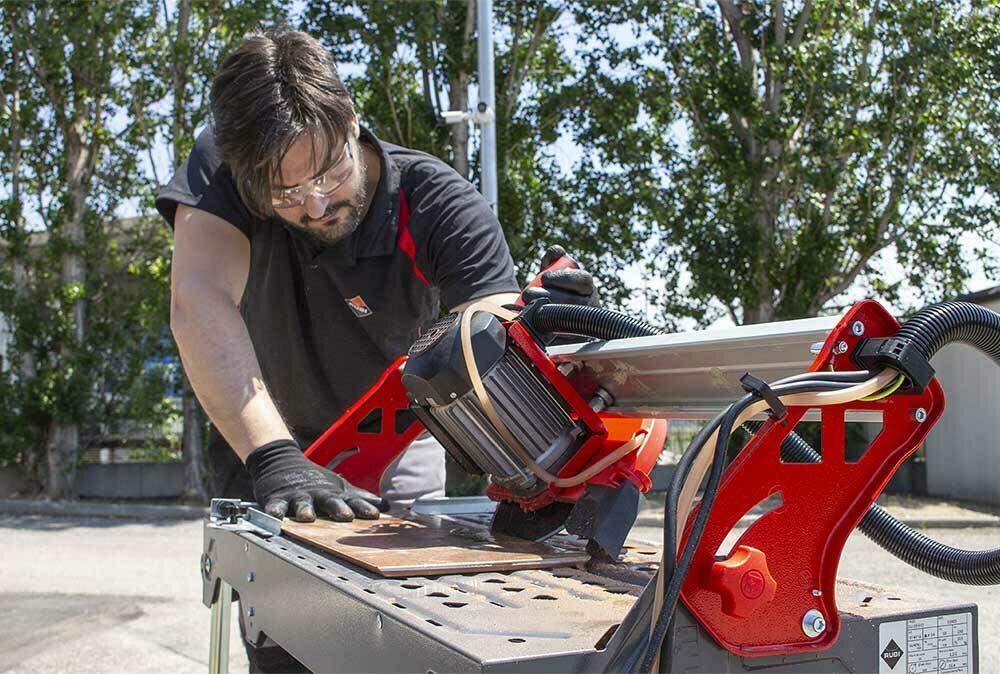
[{"x": 444, "y": 400}]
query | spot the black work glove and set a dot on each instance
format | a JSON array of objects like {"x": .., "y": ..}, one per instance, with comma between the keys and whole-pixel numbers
[
  {"x": 285, "y": 481},
  {"x": 562, "y": 286}
]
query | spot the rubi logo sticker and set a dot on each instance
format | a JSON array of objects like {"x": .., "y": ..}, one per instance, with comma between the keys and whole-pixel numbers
[
  {"x": 358, "y": 306},
  {"x": 892, "y": 653}
]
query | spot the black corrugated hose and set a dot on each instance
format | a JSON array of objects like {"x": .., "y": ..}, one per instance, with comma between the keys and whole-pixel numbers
[
  {"x": 968, "y": 567},
  {"x": 589, "y": 321},
  {"x": 930, "y": 329},
  {"x": 940, "y": 324}
]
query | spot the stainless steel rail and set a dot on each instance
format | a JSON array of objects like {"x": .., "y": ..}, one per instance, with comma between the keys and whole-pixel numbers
[{"x": 693, "y": 375}]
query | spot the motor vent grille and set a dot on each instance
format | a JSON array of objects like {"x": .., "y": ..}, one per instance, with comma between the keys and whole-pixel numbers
[
  {"x": 433, "y": 334},
  {"x": 530, "y": 411}
]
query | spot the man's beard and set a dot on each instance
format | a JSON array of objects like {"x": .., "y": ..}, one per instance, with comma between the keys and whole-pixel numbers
[{"x": 331, "y": 232}]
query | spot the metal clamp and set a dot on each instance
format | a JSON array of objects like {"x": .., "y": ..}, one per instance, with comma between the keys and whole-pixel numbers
[{"x": 242, "y": 515}]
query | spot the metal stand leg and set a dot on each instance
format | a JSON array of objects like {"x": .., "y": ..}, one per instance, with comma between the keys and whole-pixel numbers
[{"x": 218, "y": 647}]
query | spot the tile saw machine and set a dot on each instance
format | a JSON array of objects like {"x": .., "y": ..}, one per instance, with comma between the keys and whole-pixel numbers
[{"x": 568, "y": 436}]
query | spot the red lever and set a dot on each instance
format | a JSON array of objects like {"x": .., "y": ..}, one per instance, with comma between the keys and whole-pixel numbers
[{"x": 743, "y": 581}]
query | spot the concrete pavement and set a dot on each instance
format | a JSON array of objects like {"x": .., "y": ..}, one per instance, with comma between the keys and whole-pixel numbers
[
  {"x": 103, "y": 595},
  {"x": 112, "y": 595},
  {"x": 919, "y": 512}
]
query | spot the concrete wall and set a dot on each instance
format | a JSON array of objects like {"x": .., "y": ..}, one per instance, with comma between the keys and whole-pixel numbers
[
  {"x": 11, "y": 481},
  {"x": 963, "y": 450},
  {"x": 113, "y": 480},
  {"x": 130, "y": 480}
]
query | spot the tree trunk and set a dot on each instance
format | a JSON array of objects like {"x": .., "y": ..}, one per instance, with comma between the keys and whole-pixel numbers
[
  {"x": 759, "y": 313},
  {"x": 458, "y": 95},
  {"x": 63, "y": 447},
  {"x": 761, "y": 308},
  {"x": 458, "y": 99},
  {"x": 62, "y": 450},
  {"x": 192, "y": 435}
]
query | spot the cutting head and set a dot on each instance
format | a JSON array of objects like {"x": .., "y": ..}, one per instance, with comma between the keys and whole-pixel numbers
[{"x": 550, "y": 469}]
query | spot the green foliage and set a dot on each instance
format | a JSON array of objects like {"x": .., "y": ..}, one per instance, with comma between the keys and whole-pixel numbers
[
  {"x": 191, "y": 42},
  {"x": 121, "y": 372},
  {"x": 762, "y": 159},
  {"x": 801, "y": 140},
  {"x": 98, "y": 85},
  {"x": 85, "y": 308}
]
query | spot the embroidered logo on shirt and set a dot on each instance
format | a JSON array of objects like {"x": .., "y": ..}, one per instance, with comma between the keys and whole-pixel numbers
[{"x": 358, "y": 306}]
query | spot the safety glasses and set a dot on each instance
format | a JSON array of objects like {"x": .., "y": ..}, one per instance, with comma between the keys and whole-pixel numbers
[{"x": 323, "y": 185}]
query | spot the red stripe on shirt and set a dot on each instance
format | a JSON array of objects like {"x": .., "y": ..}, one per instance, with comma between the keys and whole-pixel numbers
[{"x": 406, "y": 238}]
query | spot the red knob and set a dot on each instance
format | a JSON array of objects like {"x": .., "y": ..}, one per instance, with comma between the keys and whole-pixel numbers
[{"x": 743, "y": 581}]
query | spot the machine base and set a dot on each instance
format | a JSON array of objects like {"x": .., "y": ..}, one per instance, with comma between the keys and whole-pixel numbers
[
  {"x": 880, "y": 631},
  {"x": 334, "y": 616}
]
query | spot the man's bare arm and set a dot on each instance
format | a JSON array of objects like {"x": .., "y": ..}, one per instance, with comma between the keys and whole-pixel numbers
[{"x": 211, "y": 262}]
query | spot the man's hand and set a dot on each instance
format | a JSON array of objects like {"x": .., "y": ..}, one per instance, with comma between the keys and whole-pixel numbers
[
  {"x": 567, "y": 285},
  {"x": 285, "y": 481}
]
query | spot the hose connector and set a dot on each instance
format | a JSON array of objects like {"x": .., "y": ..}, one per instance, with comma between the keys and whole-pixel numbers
[{"x": 900, "y": 354}]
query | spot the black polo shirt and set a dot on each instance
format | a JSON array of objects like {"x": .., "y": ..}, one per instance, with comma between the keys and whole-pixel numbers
[{"x": 326, "y": 320}]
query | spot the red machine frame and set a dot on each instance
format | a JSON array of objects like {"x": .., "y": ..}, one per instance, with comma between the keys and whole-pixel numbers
[{"x": 785, "y": 564}]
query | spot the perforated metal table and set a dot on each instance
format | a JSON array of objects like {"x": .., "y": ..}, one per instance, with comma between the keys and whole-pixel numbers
[{"x": 334, "y": 616}]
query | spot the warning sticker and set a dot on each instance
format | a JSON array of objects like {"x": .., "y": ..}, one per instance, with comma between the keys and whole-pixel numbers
[{"x": 938, "y": 644}]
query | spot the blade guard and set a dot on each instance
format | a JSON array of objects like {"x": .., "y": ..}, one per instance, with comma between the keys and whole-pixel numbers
[{"x": 797, "y": 546}]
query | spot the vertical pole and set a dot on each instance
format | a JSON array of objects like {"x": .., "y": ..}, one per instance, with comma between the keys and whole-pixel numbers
[
  {"x": 218, "y": 644},
  {"x": 487, "y": 103}
]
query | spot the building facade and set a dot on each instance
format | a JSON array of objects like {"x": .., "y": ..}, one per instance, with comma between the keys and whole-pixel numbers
[{"x": 963, "y": 450}]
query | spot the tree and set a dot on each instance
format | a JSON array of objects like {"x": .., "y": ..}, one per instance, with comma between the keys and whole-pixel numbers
[
  {"x": 420, "y": 57},
  {"x": 804, "y": 140},
  {"x": 79, "y": 68}
]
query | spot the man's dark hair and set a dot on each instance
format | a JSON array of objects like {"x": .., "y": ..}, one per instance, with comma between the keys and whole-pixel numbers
[{"x": 274, "y": 87}]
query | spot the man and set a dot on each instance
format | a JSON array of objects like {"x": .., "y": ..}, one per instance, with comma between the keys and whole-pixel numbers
[{"x": 307, "y": 256}]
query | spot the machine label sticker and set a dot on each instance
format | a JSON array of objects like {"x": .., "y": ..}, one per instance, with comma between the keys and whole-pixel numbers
[{"x": 938, "y": 644}]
